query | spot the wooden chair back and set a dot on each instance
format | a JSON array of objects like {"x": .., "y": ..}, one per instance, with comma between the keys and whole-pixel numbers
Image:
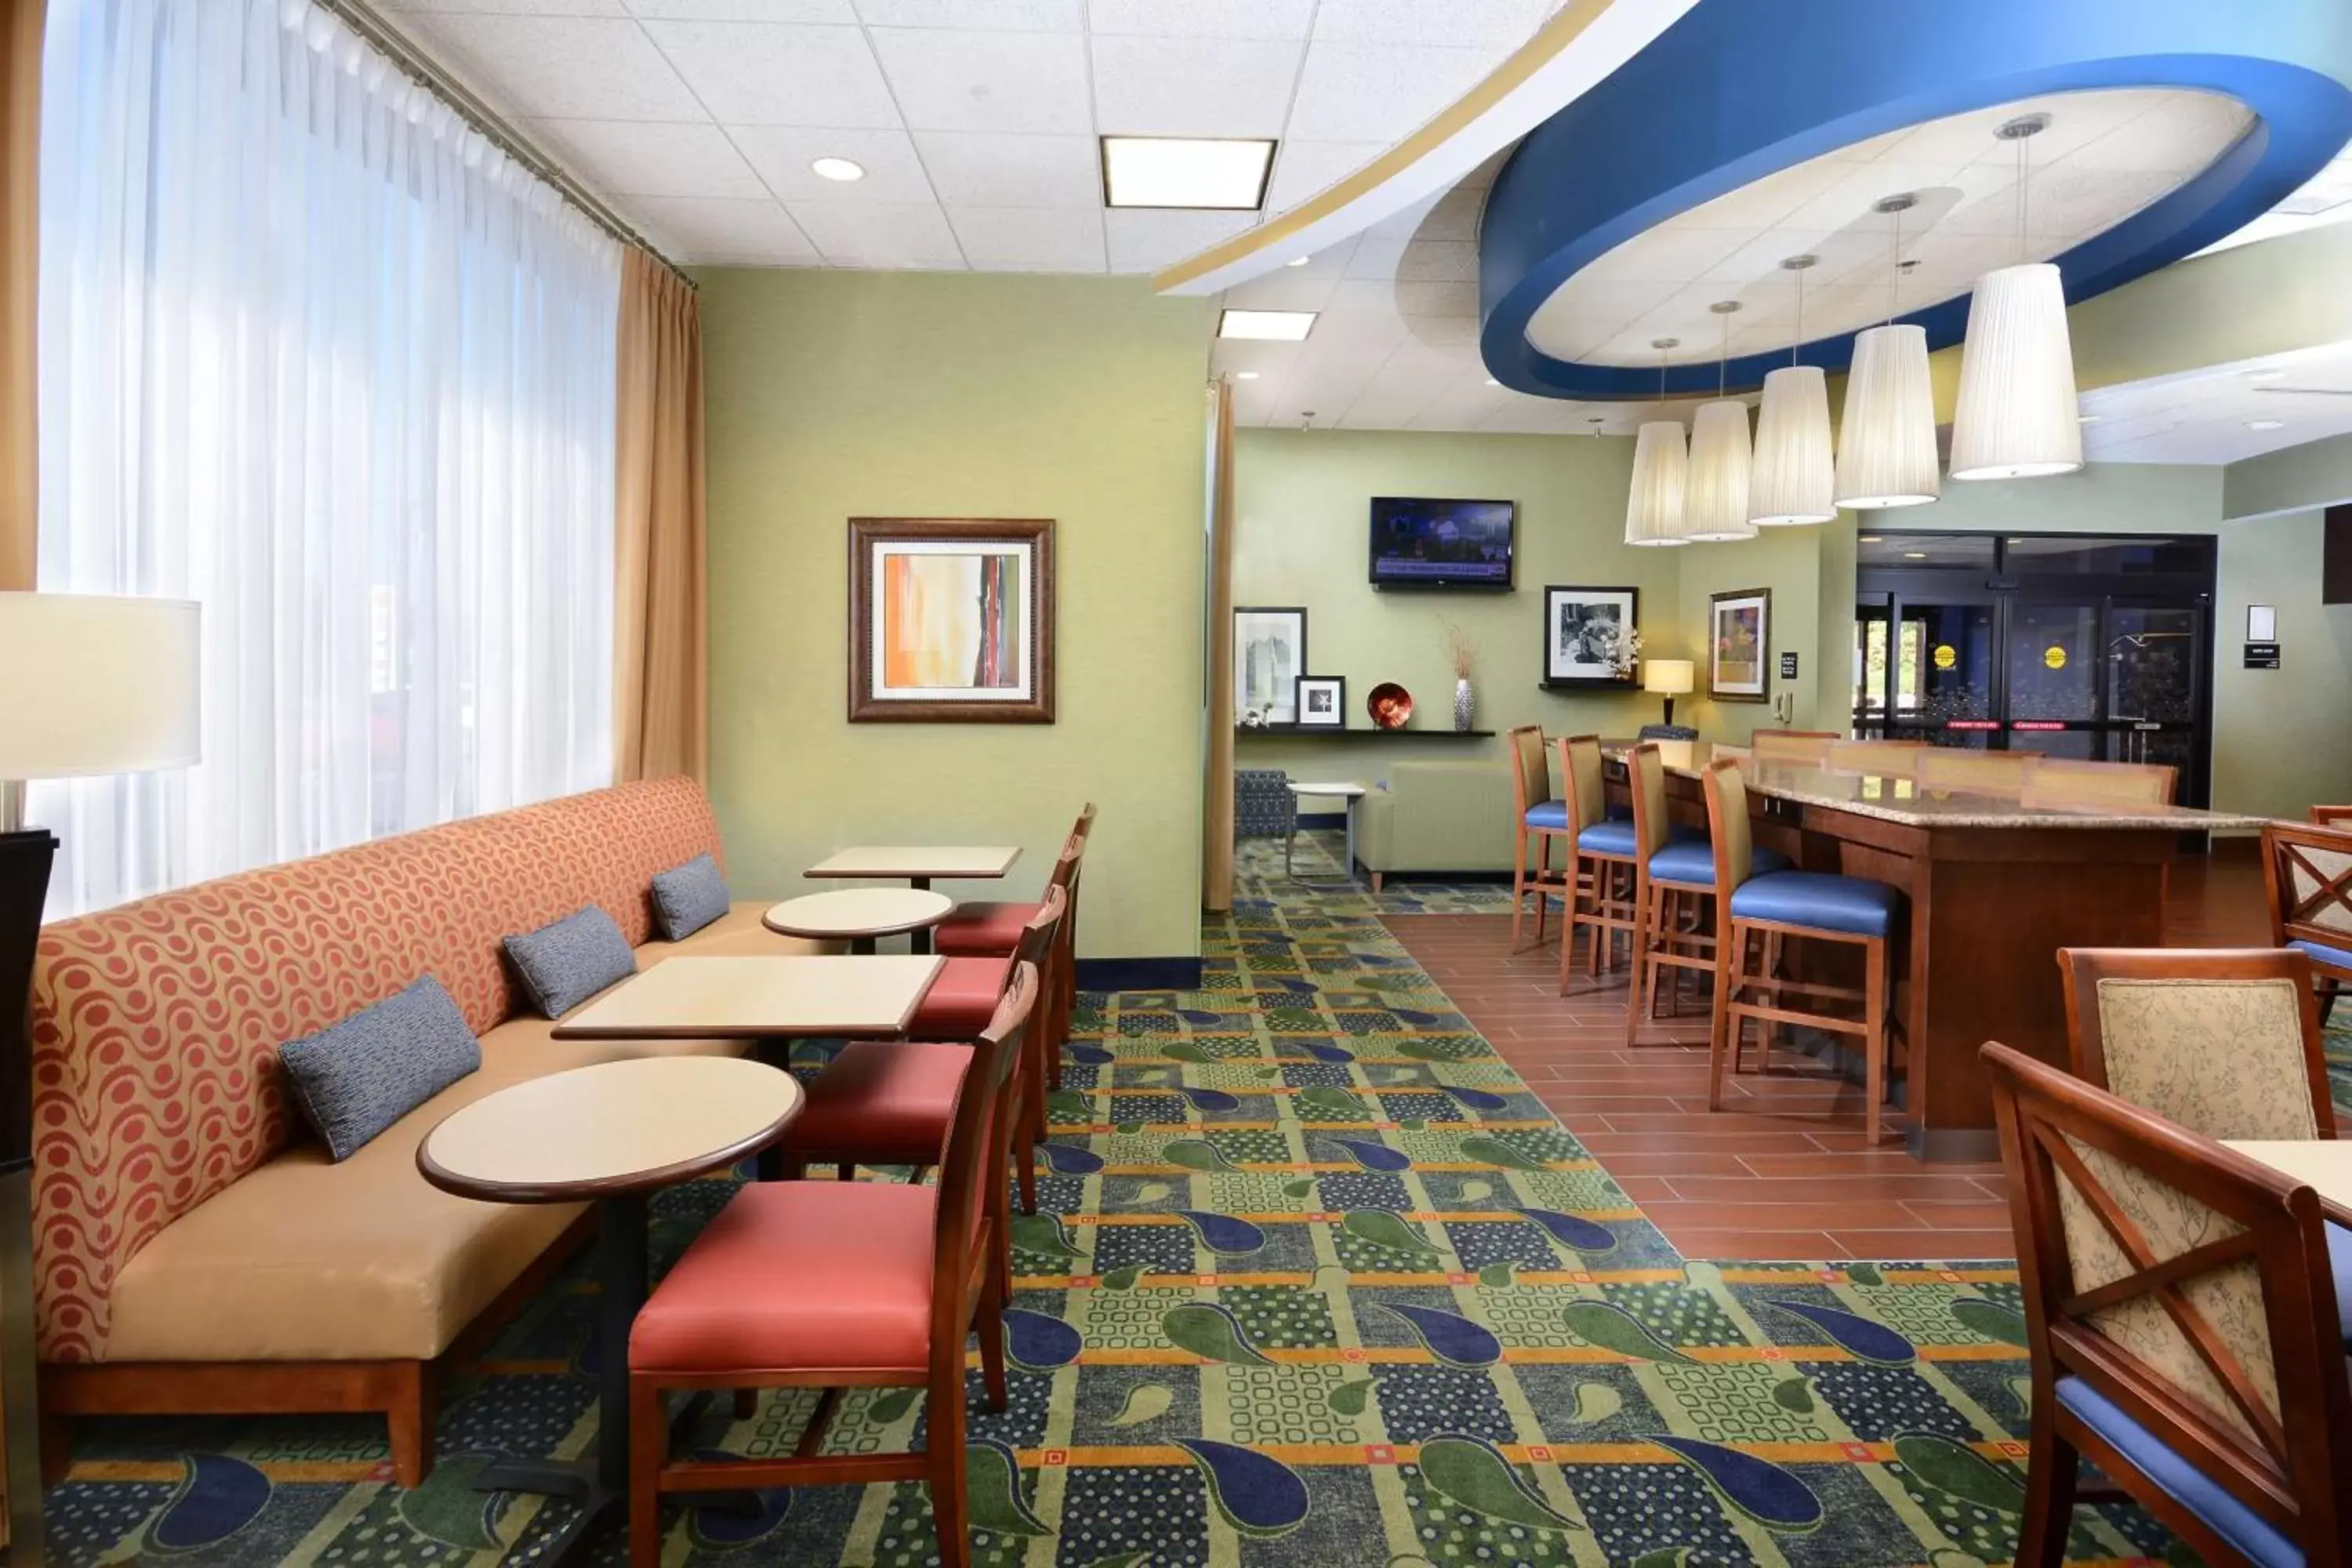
[
  {"x": 2331, "y": 816},
  {"x": 1888, "y": 758},
  {"x": 2065, "y": 781},
  {"x": 1645, "y": 781},
  {"x": 2308, "y": 872},
  {"x": 1977, "y": 772},
  {"x": 1728, "y": 828},
  {"x": 2188, "y": 1285},
  {"x": 2225, "y": 1042},
  {"x": 1582, "y": 783},
  {"x": 1531, "y": 773},
  {"x": 972, "y": 1168},
  {"x": 1801, "y": 746}
]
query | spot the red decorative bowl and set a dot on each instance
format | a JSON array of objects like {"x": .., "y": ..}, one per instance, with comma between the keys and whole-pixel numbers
[{"x": 1390, "y": 705}]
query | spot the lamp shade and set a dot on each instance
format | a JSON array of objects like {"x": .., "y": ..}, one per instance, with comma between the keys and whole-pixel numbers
[
  {"x": 1714, "y": 497},
  {"x": 125, "y": 699},
  {"x": 1654, "y": 508},
  {"x": 1887, "y": 452},
  {"x": 1669, "y": 677},
  {"x": 2016, "y": 417},
  {"x": 1794, "y": 479}
]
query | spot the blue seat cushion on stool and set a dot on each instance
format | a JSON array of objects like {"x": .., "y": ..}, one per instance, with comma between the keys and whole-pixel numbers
[
  {"x": 1692, "y": 863},
  {"x": 2228, "y": 1518},
  {"x": 1551, "y": 814},
  {"x": 2339, "y": 1264},
  {"x": 1615, "y": 836},
  {"x": 1855, "y": 905},
  {"x": 2335, "y": 957}
]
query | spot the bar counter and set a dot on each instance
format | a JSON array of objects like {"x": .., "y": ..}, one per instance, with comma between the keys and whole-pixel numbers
[{"x": 1995, "y": 888}]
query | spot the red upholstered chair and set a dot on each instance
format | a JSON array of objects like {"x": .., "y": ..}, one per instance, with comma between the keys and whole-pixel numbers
[
  {"x": 889, "y": 1103},
  {"x": 993, "y": 928},
  {"x": 834, "y": 1285}
]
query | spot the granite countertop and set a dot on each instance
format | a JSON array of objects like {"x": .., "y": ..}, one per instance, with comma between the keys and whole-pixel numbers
[{"x": 1903, "y": 801}]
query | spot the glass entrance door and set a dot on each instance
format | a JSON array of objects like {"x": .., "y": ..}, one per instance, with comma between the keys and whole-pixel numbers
[
  {"x": 1928, "y": 670},
  {"x": 2053, "y": 659}
]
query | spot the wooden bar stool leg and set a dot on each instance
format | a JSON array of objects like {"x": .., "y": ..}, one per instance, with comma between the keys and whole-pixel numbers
[
  {"x": 1730, "y": 950},
  {"x": 1644, "y": 895},
  {"x": 1519, "y": 882},
  {"x": 1875, "y": 1042},
  {"x": 1569, "y": 919},
  {"x": 649, "y": 1451}
]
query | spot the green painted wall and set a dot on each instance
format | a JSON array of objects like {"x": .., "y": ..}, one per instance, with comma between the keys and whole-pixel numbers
[
  {"x": 1302, "y": 506},
  {"x": 2283, "y": 738},
  {"x": 2316, "y": 474},
  {"x": 834, "y": 395},
  {"x": 1785, "y": 561}
]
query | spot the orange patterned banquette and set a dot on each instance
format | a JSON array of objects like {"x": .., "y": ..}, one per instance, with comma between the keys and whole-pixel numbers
[{"x": 157, "y": 1088}]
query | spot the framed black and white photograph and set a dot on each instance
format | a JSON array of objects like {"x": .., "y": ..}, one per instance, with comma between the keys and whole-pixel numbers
[
  {"x": 1590, "y": 636},
  {"x": 1322, "y": 701},
  {"x": 1269, "y": 656}
]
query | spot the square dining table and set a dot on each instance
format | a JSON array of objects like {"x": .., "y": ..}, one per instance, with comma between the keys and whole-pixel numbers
[
  {"x": 789, "y": 996},
  {"x": 917, "y": 865}
]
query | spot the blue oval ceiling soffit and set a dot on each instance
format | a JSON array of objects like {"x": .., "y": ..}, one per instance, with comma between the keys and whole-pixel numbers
[{"x": 1739, "y": 89}]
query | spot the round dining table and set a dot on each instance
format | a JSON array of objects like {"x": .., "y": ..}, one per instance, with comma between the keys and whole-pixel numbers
[
  {"x": 611, "y": 1134},
  {"x": 861, "y": 916}
]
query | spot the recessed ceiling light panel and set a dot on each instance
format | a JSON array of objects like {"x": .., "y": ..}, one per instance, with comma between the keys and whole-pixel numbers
[
  {"x": 1245, "y": 375},
  {"x": 1227, "y": 175},
  {"x": 840, "y": 169},
  {"x": 1269, "y": 326},
  {"x": 2266, "y": 423}
]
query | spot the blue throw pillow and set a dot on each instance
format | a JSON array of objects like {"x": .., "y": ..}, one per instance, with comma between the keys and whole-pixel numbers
[
  {"x": 357, "y": 1077},
  {"x": 688, "y": 897},
  {"x": 565, "y": 963}
]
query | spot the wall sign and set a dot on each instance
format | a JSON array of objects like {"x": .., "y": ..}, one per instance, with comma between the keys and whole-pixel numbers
[
  {"x": 1788, "y": 667},
  {"x": 2261, "y": 656},
  {"x": 1947, "y": 655},
  {"x": 2055, "y": 656}
]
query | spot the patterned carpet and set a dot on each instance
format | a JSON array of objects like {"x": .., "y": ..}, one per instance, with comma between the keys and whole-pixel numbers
[{"x": 1321, "y": 1284}]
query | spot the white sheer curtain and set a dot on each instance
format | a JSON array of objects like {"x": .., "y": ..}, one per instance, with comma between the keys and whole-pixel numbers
[{"x": 319, "y": 356}]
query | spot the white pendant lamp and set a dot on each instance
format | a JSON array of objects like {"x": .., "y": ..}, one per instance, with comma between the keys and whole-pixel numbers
[
  {"x": 1794, "y": 477},
  {"x": 1714, "y": 504},
  {"x": 1654, "y": 508},
  {"x": 2017, "y": 416},
  {"x": 1886, "y": 450}
]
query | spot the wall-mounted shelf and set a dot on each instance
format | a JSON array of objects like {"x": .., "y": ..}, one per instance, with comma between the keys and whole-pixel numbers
[{"x": 1353, "y": 732}]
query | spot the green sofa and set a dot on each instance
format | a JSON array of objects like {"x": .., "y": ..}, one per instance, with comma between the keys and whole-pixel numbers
[{"x": 1436, "y": 816}]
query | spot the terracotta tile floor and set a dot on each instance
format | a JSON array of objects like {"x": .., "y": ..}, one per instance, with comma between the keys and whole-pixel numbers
[{"x": 1784, "y": 1174}]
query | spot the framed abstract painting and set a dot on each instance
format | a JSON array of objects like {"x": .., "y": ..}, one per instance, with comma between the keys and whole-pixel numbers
[
  {"x": 1740, "y": 639},
  {"x": 951, "y": 620}
]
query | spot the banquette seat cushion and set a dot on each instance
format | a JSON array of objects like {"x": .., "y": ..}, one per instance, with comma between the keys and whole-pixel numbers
[{"x": 182, "y": 1212}]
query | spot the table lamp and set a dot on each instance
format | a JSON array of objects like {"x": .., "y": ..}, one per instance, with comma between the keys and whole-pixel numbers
[
  {"x": 1670, "y": 679},
  {"x": 94, "y": 685}
]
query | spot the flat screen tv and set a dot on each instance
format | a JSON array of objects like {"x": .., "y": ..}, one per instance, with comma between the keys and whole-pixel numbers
[{"x": 1425, "y": 543}]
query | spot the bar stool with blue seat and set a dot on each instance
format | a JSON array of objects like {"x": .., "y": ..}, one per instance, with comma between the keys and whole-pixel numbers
[
  {"x": 1674, "y": 889},
  {"x": 1537, "y": 819},
  {"x": 1776, "y": 905},
  {"x": 1601, "y": 857}
]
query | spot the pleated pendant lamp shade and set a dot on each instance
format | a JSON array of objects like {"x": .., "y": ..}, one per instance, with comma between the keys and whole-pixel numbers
[
  {"x": 1653, "y": 510},
  {"x": 1887, "y": 452},
  {"x": 1794, "y": 478},
  {"x": 1714, "y": 497},
  {"x": 2016, "y": 417}
]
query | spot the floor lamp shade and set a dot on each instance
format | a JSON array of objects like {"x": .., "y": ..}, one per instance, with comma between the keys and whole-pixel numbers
[
  {"x": 1715, "y": 496},
  {"x": 1794, "y": 480},
  {"x": 1887, "y": 452},
  {"x": 1654, "y": 508},
  {"x": 126, "y": 699},
  {"x": 2016, "y": 417}
]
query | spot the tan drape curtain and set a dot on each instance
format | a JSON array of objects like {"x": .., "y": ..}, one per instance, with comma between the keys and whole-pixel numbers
[
  {"x": 661, "y": 663},
  {"x": 20, "y": 266},
  {"x": 1217, "y": 804}
]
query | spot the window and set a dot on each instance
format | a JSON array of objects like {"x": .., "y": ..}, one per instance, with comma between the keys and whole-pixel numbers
[{"x": 315, "y": 355}]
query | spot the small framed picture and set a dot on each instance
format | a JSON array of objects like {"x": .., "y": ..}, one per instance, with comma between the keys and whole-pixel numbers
[
  {"x": 1739, "y": 642},
  {"x": 1322, "y": 703},
  {"x": 1592, "y": 635},
  {"x": 1269, "y": 656}
]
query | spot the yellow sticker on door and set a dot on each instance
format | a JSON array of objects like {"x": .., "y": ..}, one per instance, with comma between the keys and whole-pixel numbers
[
  {"x": 2055, "y": 656},
  {"x": 1947, "y": 655}
]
